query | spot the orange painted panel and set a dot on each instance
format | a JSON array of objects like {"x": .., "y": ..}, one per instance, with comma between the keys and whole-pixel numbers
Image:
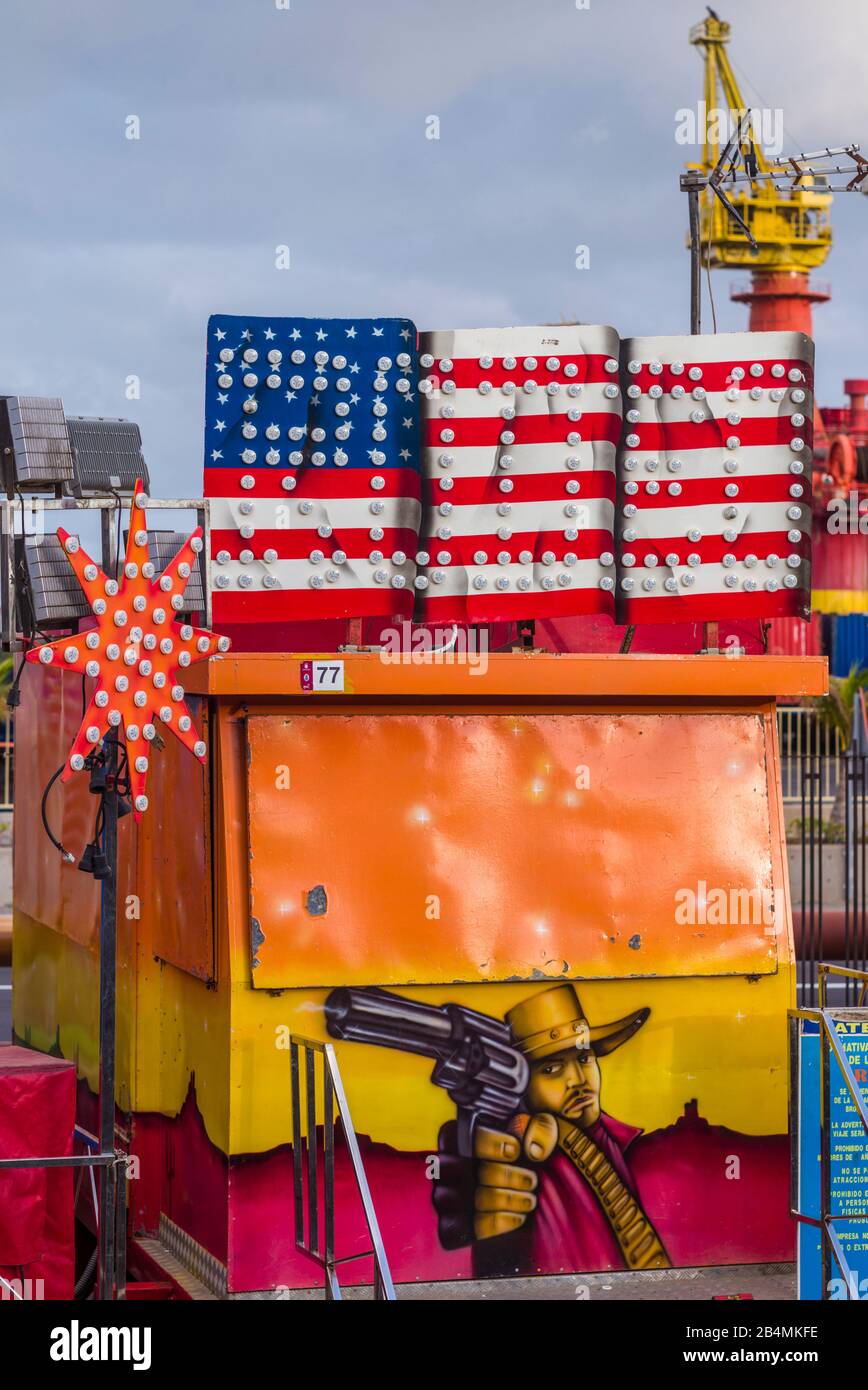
[
  {"x": 410, "y": 849},
  {"x": 174, "y": 856},
  {"x": 164, "y": 862},
  {"x": 522, "y": 674},
  {"x": 45, "y": 888}
]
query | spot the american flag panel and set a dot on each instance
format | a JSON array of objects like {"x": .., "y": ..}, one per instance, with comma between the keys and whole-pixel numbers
[
  {"x": 714, "y": 477},
  {"x": 312, "y": 465},
  {"x": 519, "y": 434}
]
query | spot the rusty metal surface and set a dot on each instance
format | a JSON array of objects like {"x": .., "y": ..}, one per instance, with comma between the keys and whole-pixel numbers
[
  {"x": 45, "y": 888},
  {"x": 174, "y": 870},
  {"x": 536, "y": 675},
  {"x": 474, "y": 846},
  {"x": 165, "y": 874}
]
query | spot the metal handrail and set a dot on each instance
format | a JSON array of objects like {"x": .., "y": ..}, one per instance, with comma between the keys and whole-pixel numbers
[
  {"x": 70, "y": 1161},
  {"x": 825, "y": 1019},
  {"x": 824, "y": 969},
  {"x": 323, "y": 1252},
  {"x": 91, "y": 1160}
]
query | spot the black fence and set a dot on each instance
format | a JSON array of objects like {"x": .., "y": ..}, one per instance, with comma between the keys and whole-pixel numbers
[{"x": 828, "y": 855}]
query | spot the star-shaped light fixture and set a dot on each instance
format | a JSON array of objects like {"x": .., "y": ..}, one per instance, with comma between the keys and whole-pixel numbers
[{"x": 137, "y": 652}]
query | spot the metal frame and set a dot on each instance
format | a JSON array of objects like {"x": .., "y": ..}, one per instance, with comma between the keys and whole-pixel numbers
[
  {"x": 829, "y": 927},
  {"x": 111, "y": 1223},
  {"x": 692, "y": 183},
  {"x": 323, "y": 1251},
  {"x": 785, "y": 175},
  {"x": 108, "y": 507},
  {"x": 825, "y": 1018},
  {"x": 111, "y": 1229},
  {"x": 792, "y": 169},
  {"x": 111, "y": 1234},
  {"x": 801, "y": 737},
  {"x": 108, "y": 940},
  {"x": 725, "y": 168}
]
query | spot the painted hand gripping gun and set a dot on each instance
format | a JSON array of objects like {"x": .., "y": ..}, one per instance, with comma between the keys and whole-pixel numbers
[{"x": 476, "y": 1059}]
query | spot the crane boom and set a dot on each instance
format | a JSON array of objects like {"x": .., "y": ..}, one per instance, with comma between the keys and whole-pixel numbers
[{"x": 791, "y": 226}]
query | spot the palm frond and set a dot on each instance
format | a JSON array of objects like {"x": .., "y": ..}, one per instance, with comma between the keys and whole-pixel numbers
[{"x": 835, "y": 710}]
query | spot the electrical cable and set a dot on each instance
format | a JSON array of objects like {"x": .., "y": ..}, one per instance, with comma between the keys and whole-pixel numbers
[
  {"x": 69, "y": 858},
  {"x": 13, "y": 699},
  {"x": 27, "y": 619},
  {"x": 746, "y": 81},
  {"x": 119, "y": 500},
  {"x": 83, "y": 1285},
  {"x": 122, "y": 786},
  {"x": 707, "y": 258}
]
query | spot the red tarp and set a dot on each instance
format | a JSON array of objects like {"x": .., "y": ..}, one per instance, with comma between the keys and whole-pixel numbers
[{"x": 37, "y": 1119}]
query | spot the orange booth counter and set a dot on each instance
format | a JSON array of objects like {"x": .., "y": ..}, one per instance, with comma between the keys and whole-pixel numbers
[{"x": 581, "y": 855}]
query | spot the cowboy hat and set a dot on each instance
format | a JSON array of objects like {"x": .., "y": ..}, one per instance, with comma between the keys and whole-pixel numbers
[{"x": 553, "y": 1021}]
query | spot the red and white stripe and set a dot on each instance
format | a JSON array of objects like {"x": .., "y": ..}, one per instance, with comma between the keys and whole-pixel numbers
[
  {"x": 325, "y": 512},
  {"x": 714, "y": 513},
  {"x": 519, "y": 510}
]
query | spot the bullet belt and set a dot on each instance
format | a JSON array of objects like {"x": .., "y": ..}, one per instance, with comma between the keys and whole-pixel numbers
[{"x": 640, "y": 1244}]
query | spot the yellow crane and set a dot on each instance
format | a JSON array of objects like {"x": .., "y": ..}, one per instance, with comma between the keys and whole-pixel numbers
[{"x": 792, "y": 228}]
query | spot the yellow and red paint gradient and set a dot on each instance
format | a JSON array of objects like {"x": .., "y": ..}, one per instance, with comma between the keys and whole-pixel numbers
[{"x": 479, "y": 837}]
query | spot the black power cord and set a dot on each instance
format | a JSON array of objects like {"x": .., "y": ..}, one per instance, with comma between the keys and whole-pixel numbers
[
  {"x": 69, "y": 858},
  {"x": 13, "y": 698},
  {"x": 93, "y": 860}
]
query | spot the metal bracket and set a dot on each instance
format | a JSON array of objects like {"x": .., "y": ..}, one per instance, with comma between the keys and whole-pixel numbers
[{"x": 12, "y": 525}]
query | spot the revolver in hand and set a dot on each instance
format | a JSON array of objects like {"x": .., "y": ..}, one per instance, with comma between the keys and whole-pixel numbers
[{"x": 481, "y": 1189}]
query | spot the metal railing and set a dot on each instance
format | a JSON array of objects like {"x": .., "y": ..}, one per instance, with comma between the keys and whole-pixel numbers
[
  {"x": 109, "y": 510},
  {"x": 317, "y": 1240},
  {"x": 829, "y": 872},
  {"x": 825, "y": 1019},
  {"x": 111, "y": 1276},
  {"x": 7, "y": 763},
  {"x": 802, "y": 735}
]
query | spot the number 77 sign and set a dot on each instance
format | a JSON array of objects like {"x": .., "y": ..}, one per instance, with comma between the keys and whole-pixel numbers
[{"x": 323, "y": 677}]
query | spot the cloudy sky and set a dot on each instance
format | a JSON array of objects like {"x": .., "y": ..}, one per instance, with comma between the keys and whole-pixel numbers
[{"x": 302, "y": 123}]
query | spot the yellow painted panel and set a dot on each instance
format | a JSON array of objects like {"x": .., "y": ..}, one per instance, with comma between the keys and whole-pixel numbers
[{"x": 721, "y": 1042}]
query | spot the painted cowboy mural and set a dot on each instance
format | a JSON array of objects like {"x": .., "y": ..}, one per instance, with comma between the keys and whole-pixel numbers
[{"x": 551, "y": 1181}]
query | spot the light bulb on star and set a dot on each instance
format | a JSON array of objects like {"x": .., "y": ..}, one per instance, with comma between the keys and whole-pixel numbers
[{"x": 137, "y": 652}]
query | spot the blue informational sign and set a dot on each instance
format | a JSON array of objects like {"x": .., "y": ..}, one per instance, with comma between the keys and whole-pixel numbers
[
  {"x": 809, "y": 1256},
  {"x": 848, "y": 1143}
]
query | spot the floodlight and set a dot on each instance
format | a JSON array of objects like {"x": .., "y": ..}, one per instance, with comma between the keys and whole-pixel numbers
[
  {"x": 163, "y": 546},
  {"x": 49, "y": 586},
  {"x": 107, "y": 453},
  {"x": 33, "y": 429}
]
